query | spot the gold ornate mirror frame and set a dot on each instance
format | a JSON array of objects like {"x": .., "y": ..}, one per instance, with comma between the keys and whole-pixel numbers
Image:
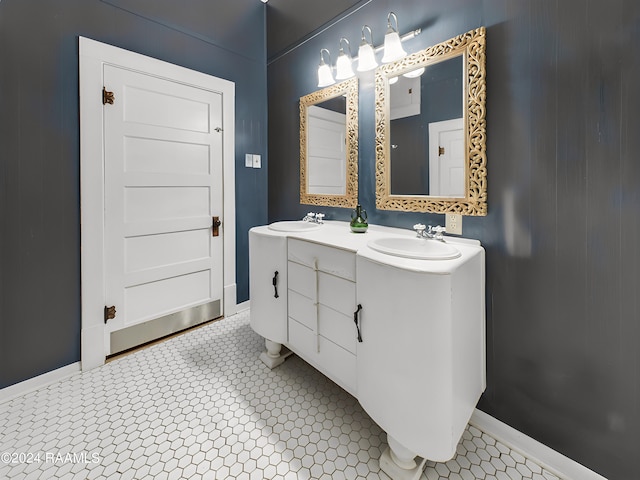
[
  {"x": 471, "y": 46},
  {"x": 349, "y": 88}
]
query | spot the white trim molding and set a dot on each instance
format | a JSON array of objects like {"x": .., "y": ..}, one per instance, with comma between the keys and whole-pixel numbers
[
  {"x": 241, "y": 307},
  {"x": 544, "y": 456},
  {"x": 35, "y": 383},
  {"x": 93, "y": 57}
]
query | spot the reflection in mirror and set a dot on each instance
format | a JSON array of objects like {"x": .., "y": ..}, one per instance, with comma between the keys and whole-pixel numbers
[
  {"x": 329, "y": 146},
  {"x": 430, "y": 129},
  {"x": 431, "y": 162},
  {"x": 326, "y": 147}
]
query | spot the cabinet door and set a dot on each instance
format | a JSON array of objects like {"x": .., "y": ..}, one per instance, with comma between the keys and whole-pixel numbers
[
  {"x": 404, "y": 362},
  {"x": 268, "y": 285}
]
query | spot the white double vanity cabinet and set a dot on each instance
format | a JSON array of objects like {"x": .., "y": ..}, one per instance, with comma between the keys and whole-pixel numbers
[{"x": 397, "y": 321}]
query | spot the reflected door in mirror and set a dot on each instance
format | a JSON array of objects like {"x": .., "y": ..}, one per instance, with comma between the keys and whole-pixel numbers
[
  {"x": 420, "y": 106},
  {"x": 326, "y": 150},
  {"x": 446, "y": 158}
]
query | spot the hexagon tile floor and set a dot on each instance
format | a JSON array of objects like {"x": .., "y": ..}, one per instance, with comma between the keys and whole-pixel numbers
[{"x": 202, "y": 406}]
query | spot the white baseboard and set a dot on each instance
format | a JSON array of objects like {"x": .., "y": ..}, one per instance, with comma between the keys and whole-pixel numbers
[
  {"x": 230, "y": 306},
  {"x": 40, "y": 381},
  {"x": 544, "y": 456},
  {"x": 13, "y": 391},
  {"x": 241, "y": 307}
]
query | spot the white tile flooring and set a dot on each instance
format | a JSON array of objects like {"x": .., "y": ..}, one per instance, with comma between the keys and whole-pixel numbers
[{"x": 202, "y": 406}]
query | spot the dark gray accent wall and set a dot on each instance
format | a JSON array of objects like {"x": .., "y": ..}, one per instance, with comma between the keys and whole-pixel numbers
[
  {"x": 562, "y": 234},
  {"x": 39, "y": 147}
]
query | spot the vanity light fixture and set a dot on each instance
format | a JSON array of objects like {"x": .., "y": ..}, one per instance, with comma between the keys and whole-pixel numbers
[
  {"x": 325, "y": 76},
  {"x": 366, "y": 53},
  {"x": 414, "y": 73},
  {"x": 344, "y": 69},
  {"x": 392, "y": 44}
]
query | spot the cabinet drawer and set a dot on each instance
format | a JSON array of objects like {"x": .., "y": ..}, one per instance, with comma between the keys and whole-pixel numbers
[
  {"x": 302, "y": 309},
  {"x": 329, "y": 259},
  {"x": 337, "y": 293},
  {"x": 302, "y": 279},
  {"x": 331, "y": 359},
  {"x": 338, "y": 328}
]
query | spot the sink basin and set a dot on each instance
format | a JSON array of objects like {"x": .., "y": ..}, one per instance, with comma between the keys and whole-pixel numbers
[
  {"x": 293, "y": 226},
  {"x": 413, "y": 247}
]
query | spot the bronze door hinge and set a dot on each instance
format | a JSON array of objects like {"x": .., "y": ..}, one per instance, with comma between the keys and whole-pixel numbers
[
  {"x": 109, "y": 313},
  {"x": 107, "y": 97},
  {"x": 440, "y": 151}
]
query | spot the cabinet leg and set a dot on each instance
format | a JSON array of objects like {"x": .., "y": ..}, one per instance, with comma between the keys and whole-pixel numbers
[
  {"x": 272, "y": 356},
  {"x": 400, "y": 463}
]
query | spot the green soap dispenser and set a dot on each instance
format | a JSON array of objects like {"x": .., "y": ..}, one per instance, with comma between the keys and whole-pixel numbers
[{"x": 359, "y": 220}]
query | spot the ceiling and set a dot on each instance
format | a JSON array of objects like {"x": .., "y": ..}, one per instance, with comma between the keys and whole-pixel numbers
[{"x": 291, "y": 21}]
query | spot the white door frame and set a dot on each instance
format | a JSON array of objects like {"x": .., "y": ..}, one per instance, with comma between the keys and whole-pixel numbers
[{"x": 93, "y": 55}]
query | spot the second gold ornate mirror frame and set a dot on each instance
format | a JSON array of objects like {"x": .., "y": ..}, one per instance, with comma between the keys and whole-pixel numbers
[
  {"x": 348, "y": 197},
  {"x": 471, "y": 46}
]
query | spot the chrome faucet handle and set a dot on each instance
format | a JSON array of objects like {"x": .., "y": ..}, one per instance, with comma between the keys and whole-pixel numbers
[
  {"x": 438, "y": 232},
  {"x": 309, "y": 217},
  {"x": 419, "y": 228},
  {"x": 319, "y": 217}
]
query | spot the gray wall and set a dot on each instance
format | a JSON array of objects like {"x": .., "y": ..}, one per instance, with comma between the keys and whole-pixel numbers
[
  {"x": 563, "y": 231},
  {"x": 39, "y": 147}
]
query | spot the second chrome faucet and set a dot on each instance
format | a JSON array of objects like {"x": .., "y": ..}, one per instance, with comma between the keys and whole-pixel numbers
[{"x": 436, "y": 233}]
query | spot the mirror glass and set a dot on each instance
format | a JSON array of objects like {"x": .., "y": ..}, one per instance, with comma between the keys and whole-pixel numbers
[
  {"x": 431, "y": 105},
  {"x": 329, "y": 146},
  {"x": 430, "y": 129}
]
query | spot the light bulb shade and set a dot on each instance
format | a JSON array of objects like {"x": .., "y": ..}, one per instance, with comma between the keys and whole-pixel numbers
[
  {"x": 392, "y": 47},
  {"x": 325, "y": 77},
  {"x": 393, "y": 80},
  {"x": 366, "y": 58},
  {"x": 414, "y": 73},
  {"x": 344, "y": 69}
]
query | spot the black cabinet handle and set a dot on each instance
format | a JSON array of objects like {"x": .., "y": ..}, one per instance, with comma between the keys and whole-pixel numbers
[
  {"x": 275, "y": 284},
  {"x": 355, "y": 320}
]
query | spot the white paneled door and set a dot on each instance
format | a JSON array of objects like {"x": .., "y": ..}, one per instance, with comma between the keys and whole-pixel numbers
[
  {"x": 163, "y": 186},
  {"x": 447, "y": 158},
  {"x": 326, "y": 151}
]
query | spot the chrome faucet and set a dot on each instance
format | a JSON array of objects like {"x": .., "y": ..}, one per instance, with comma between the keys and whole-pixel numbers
[
  {"x": 432, "y": 232},
  {"x": 313, "y": 217}
]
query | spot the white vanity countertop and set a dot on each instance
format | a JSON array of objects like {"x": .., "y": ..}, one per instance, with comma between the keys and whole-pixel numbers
[{"x": 337, "y": 234}]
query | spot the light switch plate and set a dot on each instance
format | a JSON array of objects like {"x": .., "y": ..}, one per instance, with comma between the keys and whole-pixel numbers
[
  {"x": 248, "y": 160},
  {"x": 453, "y": 223},
  {"x": 257, "y": 161}
]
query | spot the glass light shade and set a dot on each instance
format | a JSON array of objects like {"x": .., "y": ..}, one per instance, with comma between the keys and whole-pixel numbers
[
  {"x": 393, "y": 80},
  {"x": 325, "y": 77},
  {"x": 414, "y": 73},
  {"x": 344, "y": 69},
  {"x": 392, "y": 47},
  {"x": 366, "y": 58}
]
